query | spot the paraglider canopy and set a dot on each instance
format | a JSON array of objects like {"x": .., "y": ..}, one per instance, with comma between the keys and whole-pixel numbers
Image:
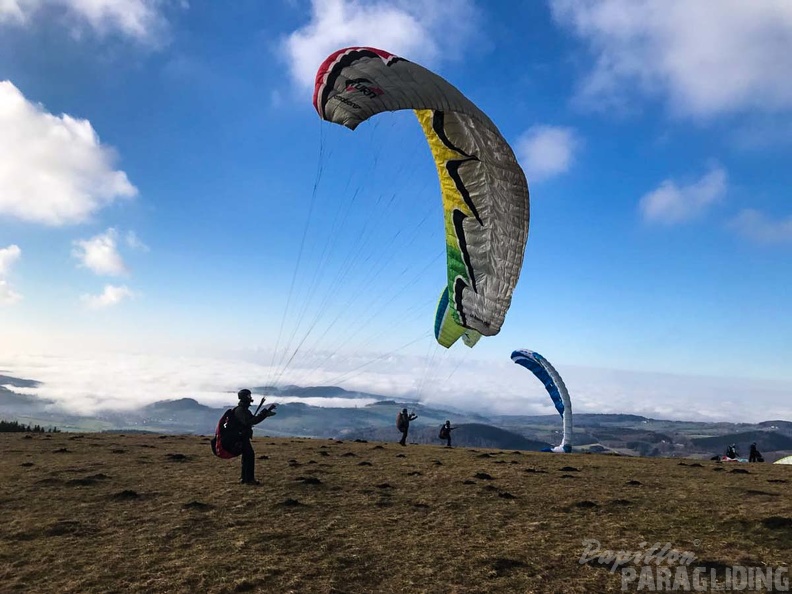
[
  {"x": 554, "y": 385},
  {"x": 484, "y": 190}
]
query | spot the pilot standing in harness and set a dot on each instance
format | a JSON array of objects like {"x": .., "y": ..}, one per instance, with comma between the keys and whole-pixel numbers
[
  {"x": 403, "y": 424},
  {"x": 445, "y": 433},
  {"x": 246, "y": 420}
]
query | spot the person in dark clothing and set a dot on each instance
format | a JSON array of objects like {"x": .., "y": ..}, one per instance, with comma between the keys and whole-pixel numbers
[
  {"x": 731, "y": 451},
  {"x": 404, "y": 424},
  {"x": 755, "y": 455},
  {"x": 445, "y": 433},
  {"x": 246, "y": 421}
]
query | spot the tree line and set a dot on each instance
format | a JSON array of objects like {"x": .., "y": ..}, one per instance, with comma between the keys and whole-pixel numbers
[{"x": 17, "y": 427}]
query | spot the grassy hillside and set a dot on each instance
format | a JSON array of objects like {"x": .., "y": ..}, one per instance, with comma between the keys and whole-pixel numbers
[{"x": 90, "y": 513}]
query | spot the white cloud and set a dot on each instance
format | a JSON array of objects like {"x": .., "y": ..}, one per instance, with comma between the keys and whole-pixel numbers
[
  {"x": 12, "y": 11},
  {"x": 53, "y": 169},
  {"x": 7, "y": 295},
  {"x": 140, "y": 20},
  {"x": 8, "y": 256},
  {"x": 670, "y": 203},
  {"x": 760, "y": 228},
  {"x": 546, "y": 151},
  {"x": 706, "y": 58},
  {"x": 328, "y": 402},
  {"x": 134, "y": 242},
  {"x": 100, "y": 254},
  {"x": 112, "y": 295},
  {"x": 422, "y": 30}
]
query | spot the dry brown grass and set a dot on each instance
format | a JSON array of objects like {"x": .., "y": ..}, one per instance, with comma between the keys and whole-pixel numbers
[{"x": 161, "y": 514}]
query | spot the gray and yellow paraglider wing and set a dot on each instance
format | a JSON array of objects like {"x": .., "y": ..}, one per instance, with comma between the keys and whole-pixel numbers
[{"x": 484, "y": 190}]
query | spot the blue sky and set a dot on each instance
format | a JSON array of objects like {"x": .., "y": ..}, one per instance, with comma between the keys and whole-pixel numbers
[{"x": 176, "y": 221}]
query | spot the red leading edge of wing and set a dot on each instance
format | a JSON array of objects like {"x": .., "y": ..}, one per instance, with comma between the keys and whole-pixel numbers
[{"x": 329, "y": 62}]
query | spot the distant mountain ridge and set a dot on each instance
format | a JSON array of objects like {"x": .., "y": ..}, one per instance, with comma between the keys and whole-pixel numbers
[
  {"x": 476, "y": 435},
  {"x": 10, "y": 401},
  {"x": 765, "y": 440},
  {"x": 315, "y": 392},
  {"x": 18, "y": 382},
  {"x": 179, "y": 405}
]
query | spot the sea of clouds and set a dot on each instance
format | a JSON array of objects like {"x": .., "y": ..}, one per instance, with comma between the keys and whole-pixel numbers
[{"x": 87, "y": 382}]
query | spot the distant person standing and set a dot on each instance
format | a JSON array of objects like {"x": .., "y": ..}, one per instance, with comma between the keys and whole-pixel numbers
[
  {"x": 403, "y": 424},
  {"x": 755, "y": 455},
  {"x": 246, "y": 419},
  {"x": 731, "y": 451},
  {"x": 445, "y": 433}
]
